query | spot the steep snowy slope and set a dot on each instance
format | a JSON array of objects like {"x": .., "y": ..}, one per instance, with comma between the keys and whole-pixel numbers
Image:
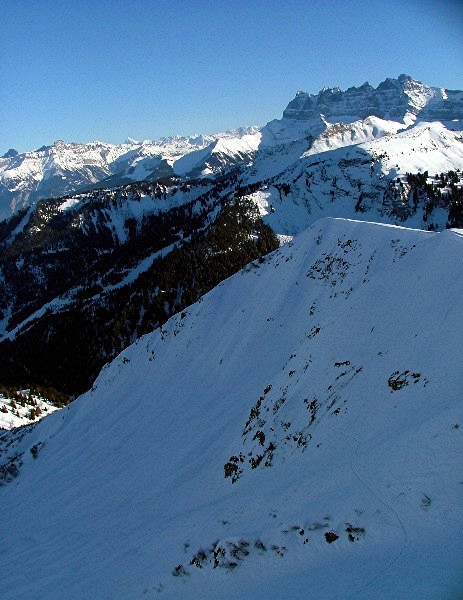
[
  {"x": 221, "y": 154},
  {"x": 297, "y": 433}
]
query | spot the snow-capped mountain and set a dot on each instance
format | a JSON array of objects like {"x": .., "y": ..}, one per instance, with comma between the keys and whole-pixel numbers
[
  {"x": 296, "y": 433},
  {"x": 63, "y": 168},
  {"x": 310, "y": 123},
  {"x": 402, "y": 99},
  {"x": 374, "y": 178},
  {"x": 223, "y": 153}
]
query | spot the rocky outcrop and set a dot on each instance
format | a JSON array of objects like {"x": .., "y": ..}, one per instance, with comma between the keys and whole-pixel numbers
[{"x": 392, "y": 99}]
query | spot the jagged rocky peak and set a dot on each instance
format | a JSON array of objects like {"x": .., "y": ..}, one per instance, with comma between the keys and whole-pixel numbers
[
  {"x": 392, "y": 99},
  {"x": 11, "y": 153}
]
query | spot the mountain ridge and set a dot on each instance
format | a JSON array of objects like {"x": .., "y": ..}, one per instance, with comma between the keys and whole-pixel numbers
[
  {"x": 66, "y": 168},
  {"x": 403, "y": 98}
]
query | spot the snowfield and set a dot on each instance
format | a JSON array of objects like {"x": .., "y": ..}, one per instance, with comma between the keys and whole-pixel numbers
[{"x": 297, "y": 433}]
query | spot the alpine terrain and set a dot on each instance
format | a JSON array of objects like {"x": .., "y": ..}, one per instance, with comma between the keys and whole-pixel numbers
[
  {"x": 261, "y": 335},
  {"x": 296, "y": 433},
  {"x": 136, "y": 233}
]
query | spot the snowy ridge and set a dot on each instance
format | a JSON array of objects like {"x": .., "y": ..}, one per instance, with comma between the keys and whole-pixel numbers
[
  {"x": 426, "y": 147},
  {"x": 289, "y": 433},
  {"x": 347, "y": 134},
  {"x": 209, "y": 160},
  {"x": 335, "y": 179}
]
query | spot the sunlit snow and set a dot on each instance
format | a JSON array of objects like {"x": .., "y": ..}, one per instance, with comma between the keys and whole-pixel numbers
[{"x": 296, "y": 433}]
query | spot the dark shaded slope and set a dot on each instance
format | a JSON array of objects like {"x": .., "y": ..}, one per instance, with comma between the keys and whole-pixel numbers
[{"x": 75, "y": 294}]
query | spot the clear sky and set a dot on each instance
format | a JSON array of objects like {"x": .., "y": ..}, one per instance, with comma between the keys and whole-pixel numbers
[{"x": 83, "y": 70}]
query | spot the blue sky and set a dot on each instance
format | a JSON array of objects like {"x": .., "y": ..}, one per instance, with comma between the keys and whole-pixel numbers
[{"x": 83, "y": 70}]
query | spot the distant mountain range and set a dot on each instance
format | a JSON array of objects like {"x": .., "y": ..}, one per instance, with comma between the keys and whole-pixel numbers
[{"x": 52, "y": 171}]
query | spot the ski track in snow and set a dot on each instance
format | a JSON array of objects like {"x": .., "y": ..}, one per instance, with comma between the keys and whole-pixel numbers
[{"x": 383, "y": 573}]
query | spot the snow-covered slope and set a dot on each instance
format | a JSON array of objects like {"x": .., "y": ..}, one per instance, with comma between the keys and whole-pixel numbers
[
  {"x": 222, "y": 153},
  {"x": 297, "y": 433},
  {"x": 366, "y": 179},
  {"x": 23, "y": 407}
]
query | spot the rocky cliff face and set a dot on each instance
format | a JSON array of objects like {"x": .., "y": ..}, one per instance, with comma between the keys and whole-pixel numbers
[{"x": 392, "y": 99}]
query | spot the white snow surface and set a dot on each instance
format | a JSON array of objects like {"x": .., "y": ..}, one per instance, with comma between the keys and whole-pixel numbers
[
  {"x": 338, "y": 135},
  {"x": 17, "y": 415},
  {"x": 334, "y": 369},
  {"x": 426, "y": 147}
]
